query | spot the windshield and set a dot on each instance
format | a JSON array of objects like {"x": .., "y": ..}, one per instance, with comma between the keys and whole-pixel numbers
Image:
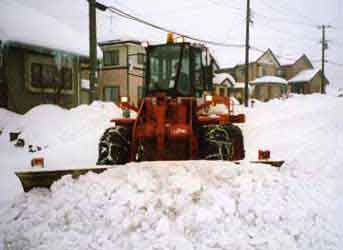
[{"x": 170, "y": 69}]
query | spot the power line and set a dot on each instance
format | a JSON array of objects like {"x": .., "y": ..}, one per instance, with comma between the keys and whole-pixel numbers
[
  {"x": 335, "y": 63},
  {"x": 281, "y": 12},
  {"x": 126, "y": 15},
  {"x": 292, "y": 35},
  {"x": 284, "y": 20},
  {"x": 224, "y": 4}
]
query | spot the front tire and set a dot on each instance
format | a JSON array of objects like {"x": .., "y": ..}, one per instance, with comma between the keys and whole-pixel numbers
[
  {"x": 114, "y": 146},
  {"x": 221, "y": 142}
]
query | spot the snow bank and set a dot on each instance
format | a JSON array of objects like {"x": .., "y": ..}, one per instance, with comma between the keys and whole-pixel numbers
[
  {"x": 194, "y": 204},
  {"x": 66, "y": 137},
  {"x": 187, "y": 205}
]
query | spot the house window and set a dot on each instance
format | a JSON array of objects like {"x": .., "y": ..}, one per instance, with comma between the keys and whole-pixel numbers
[
  {"x": 67, "y": 78},
  {"x": 48, "y": 76},
  {"x": 140, "y": 59},
  {"x": 36, "y": 74},
  {"x": 111, "y": 58},
  {"x": 111, "y": 94},
  {"x": 140, "y": 92},
  {"x": 279, "y": 72}
]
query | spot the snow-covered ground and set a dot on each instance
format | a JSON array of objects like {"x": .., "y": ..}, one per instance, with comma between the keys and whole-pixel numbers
[
  {"x": 181, "y": 205},
  {"x": 66, "y": 137}
]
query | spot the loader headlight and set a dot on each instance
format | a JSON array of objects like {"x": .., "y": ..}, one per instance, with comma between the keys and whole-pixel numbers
[
  {"x": 124, "y": 99},
  {"x": 208, "y": 98}
]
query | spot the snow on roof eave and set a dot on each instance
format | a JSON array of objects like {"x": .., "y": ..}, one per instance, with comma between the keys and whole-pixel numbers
[
  {"x": 39, "y": 47},
  {"x": 269, "y": 79},
  {"x": 28, "y": 25},
  {"x": 113, "y": 42}
]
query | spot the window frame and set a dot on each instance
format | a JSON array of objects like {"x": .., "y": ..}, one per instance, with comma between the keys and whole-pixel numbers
[
  {"x": 111, "y": 57},
  {"x": 111, "y": 87}
]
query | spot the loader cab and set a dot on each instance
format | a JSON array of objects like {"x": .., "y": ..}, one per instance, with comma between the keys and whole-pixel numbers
[{"x": 178, "y": 69}]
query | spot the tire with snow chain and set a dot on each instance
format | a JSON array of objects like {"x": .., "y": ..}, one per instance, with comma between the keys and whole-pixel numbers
[
  {"x": 221, "y": 142},
  {"x": 114, "y": 146}
]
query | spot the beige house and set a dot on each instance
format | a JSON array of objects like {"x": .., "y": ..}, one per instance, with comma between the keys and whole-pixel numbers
[
  {"x": 303, "y": 77},
  {"x": 267, "y": 65},
  {"x": 268, "y": 78},
  {"x": 290, "y": 70},
  {"x": 268, "y": 87},
  {"x": 122, "y": 71},
  {"x": 307, "y": 82},
  {"x": 223, "y": 84}
]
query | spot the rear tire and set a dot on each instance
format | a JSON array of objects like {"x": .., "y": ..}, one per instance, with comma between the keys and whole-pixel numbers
[
  {"x": 114, "y": 146},
  {"x": 221, "y": 142}
]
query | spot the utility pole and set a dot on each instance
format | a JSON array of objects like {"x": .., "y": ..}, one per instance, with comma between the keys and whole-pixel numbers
[
  {"x": 247, "y": 47},
  {"x": 92, "y": 48},
  {"x": 93, "y": 6},
  {"x": 325, "y": 46}
]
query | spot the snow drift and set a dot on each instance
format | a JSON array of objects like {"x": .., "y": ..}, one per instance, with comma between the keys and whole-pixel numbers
[{"x": 194, "y": 204}]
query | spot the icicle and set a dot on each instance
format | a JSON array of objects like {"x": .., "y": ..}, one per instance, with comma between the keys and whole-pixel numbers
[{"x": 63, "y": 59}]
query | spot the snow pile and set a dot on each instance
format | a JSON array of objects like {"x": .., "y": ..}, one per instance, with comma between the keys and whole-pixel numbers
[
  {"x": 197, "y": 204},
  {"x": 65, "y": 137},
  {"x": 189, "y": 205},
  {"x": 50, "y": 126}
]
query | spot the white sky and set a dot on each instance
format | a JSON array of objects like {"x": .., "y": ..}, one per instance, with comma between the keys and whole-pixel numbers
[{"x": 288, "y": 27}]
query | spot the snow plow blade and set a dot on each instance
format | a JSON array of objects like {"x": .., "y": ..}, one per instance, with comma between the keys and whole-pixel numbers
[
  {"x": 44, "y": 179},
  {"x": 276, "y": 164}
]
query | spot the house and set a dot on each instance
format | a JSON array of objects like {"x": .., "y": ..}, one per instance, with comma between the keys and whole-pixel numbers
[
  {"x": 265, "y": 64},
  {"x": 122, "y": 71},
  {"x": 303, "y": 77},
  {"x": 307, "y": 82},
  {"x": 302, "y": 63},
  {"x": 33, "y": 75},
  {"x": 223, "y": 84},
  {"x": 41, "y": 59},
  {"x": 269, "y": 78},
  {"x": 238, "y": 91},
  {"x": 265, "y": 77},
  {"x": 268, "y": 87}
]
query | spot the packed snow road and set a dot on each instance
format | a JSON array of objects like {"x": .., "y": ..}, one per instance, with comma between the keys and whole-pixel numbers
[{"x": 198, "y": 204}]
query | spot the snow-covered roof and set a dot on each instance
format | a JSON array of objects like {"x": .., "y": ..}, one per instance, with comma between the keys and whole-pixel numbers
[
  {"x": 305, "y": 75},
  {"x": 221, "y": 77},
  {"x": 269, "y": 79},
  {"x": 24, "y": 24},
  {"x": 125, "y": 38}
]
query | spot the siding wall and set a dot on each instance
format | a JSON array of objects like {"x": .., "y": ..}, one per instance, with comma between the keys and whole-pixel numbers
[
  {"x": 127, "y": 77},
  {"x": 3, "y": 85},
  {"x": 17, "y": 73}
]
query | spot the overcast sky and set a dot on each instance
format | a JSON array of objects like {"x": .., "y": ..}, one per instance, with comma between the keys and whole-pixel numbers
[{"x": 288, "y": 27}]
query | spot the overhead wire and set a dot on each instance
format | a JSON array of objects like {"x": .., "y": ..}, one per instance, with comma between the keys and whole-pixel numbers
[
  {"x": 155, "y": 26},
  {"x": 126, "y": 15},
  {"x": 309, "y": 22}
]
